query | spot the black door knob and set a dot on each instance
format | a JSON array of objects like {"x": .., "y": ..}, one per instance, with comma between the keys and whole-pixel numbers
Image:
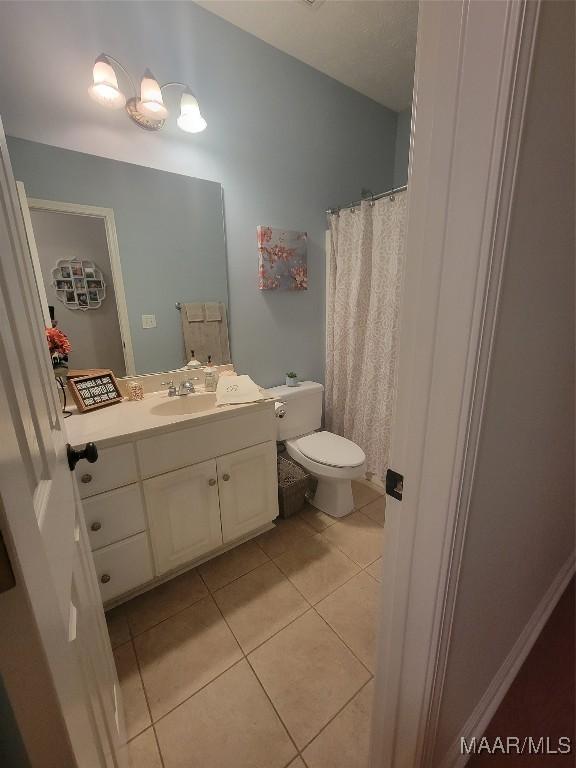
[{"x": 89, "y": 452}]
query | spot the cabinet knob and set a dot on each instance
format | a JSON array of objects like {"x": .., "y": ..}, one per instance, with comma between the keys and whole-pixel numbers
[
  {"x": 105, "y": 578},
  {"x": 226, "y": 477},
  {"x": 211, "y": 481},
  {"x": 87, "y": 478},
  {"x": 96, "y": 526}
]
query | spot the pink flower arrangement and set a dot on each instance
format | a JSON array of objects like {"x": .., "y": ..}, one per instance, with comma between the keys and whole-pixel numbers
[{"x": 58, "y": 345}]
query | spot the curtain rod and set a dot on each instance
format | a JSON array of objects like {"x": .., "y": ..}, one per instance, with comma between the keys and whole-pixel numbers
[{"x": 368, "y": 197}]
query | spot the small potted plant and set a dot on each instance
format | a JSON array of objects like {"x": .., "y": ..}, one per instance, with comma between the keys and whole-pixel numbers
[{"x": 291, "y": 379}]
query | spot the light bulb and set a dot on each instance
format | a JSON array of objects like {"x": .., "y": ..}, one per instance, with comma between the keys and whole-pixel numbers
[
  {"x": 105, "y": 87},
  {"x": 151, "y": 104},
  {"x": 190, "y": 119}
]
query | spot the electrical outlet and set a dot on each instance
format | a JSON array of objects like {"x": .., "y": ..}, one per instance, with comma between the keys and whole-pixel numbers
[{"x": 148, "y": 321}]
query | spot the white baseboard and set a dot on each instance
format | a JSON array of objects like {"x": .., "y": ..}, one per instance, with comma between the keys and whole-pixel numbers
[{"x": 498, "y": 688}]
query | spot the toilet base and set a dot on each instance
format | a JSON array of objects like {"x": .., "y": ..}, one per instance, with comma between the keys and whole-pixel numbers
[{"x": 334, "y": 497}]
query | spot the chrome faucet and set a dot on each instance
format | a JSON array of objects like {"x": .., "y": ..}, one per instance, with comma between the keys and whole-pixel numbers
[
  {"x": 187, "y": 387},
  {"x": 184, "y": 388},
  {"x": 171, "y": 387}
]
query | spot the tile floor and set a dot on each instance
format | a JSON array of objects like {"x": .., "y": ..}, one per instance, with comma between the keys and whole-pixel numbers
[{"x": 263, "y": 657}]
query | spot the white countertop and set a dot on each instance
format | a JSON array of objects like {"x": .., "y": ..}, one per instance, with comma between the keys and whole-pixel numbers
[{"x": 129, "y": 420}]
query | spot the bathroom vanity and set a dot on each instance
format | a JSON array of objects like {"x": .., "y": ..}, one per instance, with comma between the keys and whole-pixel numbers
[{"x": 178, "y": 481}]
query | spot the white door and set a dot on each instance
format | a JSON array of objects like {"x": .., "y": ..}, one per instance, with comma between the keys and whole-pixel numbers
[
  {"x": 55, "y": 658},
  {"x": 36, "y": 268},
  {"x": 248, "y": 496},
  {"x": 184, "y": 514}
]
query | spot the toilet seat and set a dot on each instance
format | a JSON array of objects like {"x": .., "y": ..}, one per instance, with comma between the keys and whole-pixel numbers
[{"x": 331, "y": 450}]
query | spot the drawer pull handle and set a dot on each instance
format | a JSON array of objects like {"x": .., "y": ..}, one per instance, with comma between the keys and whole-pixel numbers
[
  {"x": 105, "y": 578},
  {"x": 96, "y": 526},
  {"x": 226, "y": 477},
  {"x": 87, "y": 478},
  {"x": 211, "y": 481}
]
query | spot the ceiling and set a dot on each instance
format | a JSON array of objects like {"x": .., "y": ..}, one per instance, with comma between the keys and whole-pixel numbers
[{"x": 368, "y": 45}]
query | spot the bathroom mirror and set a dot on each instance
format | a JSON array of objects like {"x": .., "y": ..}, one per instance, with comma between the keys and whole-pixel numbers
[{"x": 118, "y": 248}]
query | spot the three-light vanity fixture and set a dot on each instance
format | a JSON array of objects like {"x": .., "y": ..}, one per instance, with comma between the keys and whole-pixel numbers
[{"x": 147, "y": 110}]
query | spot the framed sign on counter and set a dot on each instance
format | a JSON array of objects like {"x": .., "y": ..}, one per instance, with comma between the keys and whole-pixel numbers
[{"x": 95, "y": 391}]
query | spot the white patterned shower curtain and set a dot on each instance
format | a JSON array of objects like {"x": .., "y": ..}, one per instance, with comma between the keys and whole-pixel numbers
[{"x": 366, "y": 259}]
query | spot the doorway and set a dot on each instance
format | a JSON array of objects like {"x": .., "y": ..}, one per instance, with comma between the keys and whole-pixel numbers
[
  {"x": 64, "y": 234},
  {"x": 94, "y": 333}
]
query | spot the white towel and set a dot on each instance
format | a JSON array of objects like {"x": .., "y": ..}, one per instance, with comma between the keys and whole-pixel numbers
[
  {"x": 213, "y": 312},
  {"x": 194, "y": 312},
  {"x": 203, "y": 338},
  {"x": 236, "y": 390}
]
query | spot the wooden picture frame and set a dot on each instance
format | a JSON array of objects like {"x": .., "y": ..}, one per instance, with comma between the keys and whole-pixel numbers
[{"x": 96, "y": 390}]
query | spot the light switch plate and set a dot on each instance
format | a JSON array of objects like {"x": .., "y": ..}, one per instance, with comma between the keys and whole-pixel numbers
[{"x": 148, "y": 321}]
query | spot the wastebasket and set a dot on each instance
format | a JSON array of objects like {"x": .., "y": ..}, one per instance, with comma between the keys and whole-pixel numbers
[{"x": 294, "y": 484}]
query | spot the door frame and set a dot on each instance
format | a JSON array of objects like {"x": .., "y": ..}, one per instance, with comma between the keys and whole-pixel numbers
[
  {"x": 107, "y": 215},
  {"x": 466, "y": 128}
]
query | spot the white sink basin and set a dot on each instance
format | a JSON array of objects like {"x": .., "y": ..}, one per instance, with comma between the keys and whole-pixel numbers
[{"x": 183, "y": 405}]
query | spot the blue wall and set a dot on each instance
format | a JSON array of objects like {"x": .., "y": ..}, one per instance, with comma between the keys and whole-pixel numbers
[{"x": 285, "y": 141}]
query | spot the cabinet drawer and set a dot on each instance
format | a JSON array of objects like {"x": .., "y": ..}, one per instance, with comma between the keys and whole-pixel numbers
[
  {"x": 123, "y": 566},
  {"x": 114, "y": 515},
  {"x": 115, "y": 467},
  {"x": 184, "y": 447}
]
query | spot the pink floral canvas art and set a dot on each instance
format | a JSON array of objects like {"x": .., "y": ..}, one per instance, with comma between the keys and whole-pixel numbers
[{"x": 283, "y": 264}]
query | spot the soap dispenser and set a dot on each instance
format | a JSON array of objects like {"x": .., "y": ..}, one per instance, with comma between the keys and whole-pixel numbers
[
  {"x": 210, "y": 376},
  {"x": 193, "y": 364}
]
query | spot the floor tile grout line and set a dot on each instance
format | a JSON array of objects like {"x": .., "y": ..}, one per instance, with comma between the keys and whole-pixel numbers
[
  {"x": 339, "y": 636},
  {"x": 312, "y": 605},
  {"x": 209, "y": 588},
  {"x": 342, "y": 708},
  {"x": 260, "y": 683},
  {"x": 245, "y": 655},
  {"x": 158, "y": 747},
  {"x": 140, "y": 675},
  {"x": 211, "y": 594},
  {"x": 371, "y": 674},
  {"x": 340, "y": 549},
  {"x": 149, "y": 728},
  {"x": 170, "y": 711},
  {"x": 172, "y": 615}
]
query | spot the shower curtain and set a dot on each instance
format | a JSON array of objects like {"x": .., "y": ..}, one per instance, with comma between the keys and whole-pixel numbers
[{"x": 364, "y": 283}]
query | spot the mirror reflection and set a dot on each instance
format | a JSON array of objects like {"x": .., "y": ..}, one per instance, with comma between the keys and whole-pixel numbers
[{"x": 130, "y": 261}]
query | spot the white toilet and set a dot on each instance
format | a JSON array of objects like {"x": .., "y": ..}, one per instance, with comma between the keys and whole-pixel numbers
[{"x": 333, "y": 460}]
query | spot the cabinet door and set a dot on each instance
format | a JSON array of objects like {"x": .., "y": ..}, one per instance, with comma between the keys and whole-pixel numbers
[
  {"x": 184, "y": 515},
  {"x": 247, "y": 484}
]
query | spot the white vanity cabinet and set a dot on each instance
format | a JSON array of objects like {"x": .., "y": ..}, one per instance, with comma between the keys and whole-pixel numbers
[
  {"x": 184, "y": 514},
  {"x": 248, "y": 489},
  {"x": 160, "y": 502}
]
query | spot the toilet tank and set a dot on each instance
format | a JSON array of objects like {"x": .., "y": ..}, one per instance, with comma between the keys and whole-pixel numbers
[{"x": 303, "y": 406}]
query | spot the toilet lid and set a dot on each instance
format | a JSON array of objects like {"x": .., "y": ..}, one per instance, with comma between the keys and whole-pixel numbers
[{"x": 332, "y": 450}]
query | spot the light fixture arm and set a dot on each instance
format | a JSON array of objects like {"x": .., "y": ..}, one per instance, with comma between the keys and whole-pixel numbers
[
  {"x": 123, "y": 69},
  {"x": 176, "y": 83}
]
